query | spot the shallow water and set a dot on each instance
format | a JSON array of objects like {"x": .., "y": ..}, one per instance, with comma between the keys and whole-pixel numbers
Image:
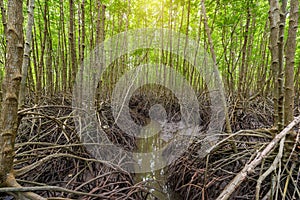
[{"x": 151, "y": 162}]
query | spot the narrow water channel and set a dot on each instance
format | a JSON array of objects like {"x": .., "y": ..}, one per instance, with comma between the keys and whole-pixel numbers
[{"x": 151, "y": 144}]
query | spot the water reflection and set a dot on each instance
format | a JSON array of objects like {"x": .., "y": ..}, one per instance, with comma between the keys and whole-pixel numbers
[{"x": 152, "y": 141}]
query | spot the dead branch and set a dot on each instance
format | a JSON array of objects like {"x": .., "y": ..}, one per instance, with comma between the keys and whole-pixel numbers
[{"x": 249, "y": 168}]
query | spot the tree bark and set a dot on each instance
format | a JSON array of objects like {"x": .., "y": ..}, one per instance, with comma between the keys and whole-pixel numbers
[
  {"x": 11, "y": 86},
  {"x": 274, "y": 18},
  {"x": 242, "y": 71},
  {"x": 72, "y": 44},
  {"x": 63, "y": 49},
  {"x": 290, "y": 62},
  {"x": 26, "y": 57},
  {"x": 280, "y": 76},
  {"x": 82, "y": 27},
  {"x": 40, "y": 68}
]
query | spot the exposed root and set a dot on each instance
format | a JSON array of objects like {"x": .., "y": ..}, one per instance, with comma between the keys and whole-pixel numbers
[
  {"x": 274, "y": 173},
  {"x": 48, "y": 144},
  {"x": 249, "y": 168},
  {"x": 14, "y": 186}
]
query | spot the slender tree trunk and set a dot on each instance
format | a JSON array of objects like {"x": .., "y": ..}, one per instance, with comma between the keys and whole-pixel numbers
[
  {"x": 30, "y": 83},
  {"x": 290, "y": 62},
  {"x": 280, "y": 76},
  {"x": 242, "y": 71},
  {"x": 64, "y": 73},
  {"x": 49, "y": 55},
  {"x": 100, "y": 22},
  {"x": 262, "y": 71},
  {"x": 40, "y": 67},
  {"x": 212, "y": 51},
  {"x": 35, "y": 55},
  {"x": 178, "y": 59},
  {"x": 72, "y": 44},
  {"x": 11, "y": 86},
  {"x": 91, "y": 39},
  {"x": 274, "y": 18},
  {"x": 187, "y": 36},
  {"x": 49, "y": 68},
  {"x": 26, "y": 57},
  {"x": 100, "y": 34},
  {"x": 82, "y": 27}
]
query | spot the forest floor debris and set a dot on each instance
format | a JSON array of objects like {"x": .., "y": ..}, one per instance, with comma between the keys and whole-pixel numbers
[{"x": 49, "y": 154}]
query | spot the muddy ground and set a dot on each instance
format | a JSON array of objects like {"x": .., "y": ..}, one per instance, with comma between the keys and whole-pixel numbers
[{"x": 49, "y": 152}]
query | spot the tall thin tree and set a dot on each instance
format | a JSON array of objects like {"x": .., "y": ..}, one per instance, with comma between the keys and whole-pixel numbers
[
  {"x": 11, "y": 87},
  {"x": 290, "y": 62},
  {"x": 72, "y": 44},
  {"x": 27, "y": 51}
]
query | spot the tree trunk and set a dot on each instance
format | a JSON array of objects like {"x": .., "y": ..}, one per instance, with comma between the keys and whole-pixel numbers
[
  {"x": 100, "y": 37},
  {"x": 26, "y": 59},
  {"x": 82, "y": 27},
  {"x": 40, "y": 68},
  {"x": 11, "y": 86},
  {"x": 242, "y": 71},
  {"x": 100, "y": 23},
  {"x": 290, "y": 62},
  {"x": 280, "y": 75},
  {"x": 49, "y": 60},
  {"x": 274, "y": 26},
  {"x": 72, "y": 44},
  {"x": 63, "y": 49},
  {"x": 213, "y": 54}
]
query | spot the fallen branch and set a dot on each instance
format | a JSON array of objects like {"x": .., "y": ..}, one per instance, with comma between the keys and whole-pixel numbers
[
  {"x": 274, "y": 166},
  {"x": 26, "y": 169},
  {"x": 249, "y": 168},
  {"x": 14, "y": 186},
  {"x": 27, "y": 191}
]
